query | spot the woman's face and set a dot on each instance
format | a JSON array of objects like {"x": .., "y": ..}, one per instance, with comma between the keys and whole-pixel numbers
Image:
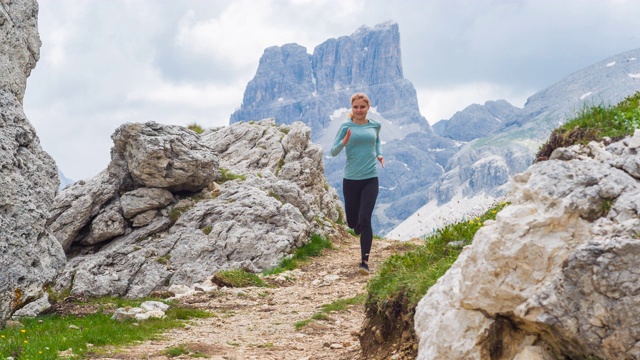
[{"x": 359, "y": 109}]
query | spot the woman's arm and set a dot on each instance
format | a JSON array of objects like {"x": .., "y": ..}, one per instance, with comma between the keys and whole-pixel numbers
[{"x": 342, "y": 137}]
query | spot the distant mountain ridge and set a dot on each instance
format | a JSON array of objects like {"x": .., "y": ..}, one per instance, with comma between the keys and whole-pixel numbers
[
  {"x": 478, "y": 175},
  {"x": 436, "y": 174},
  {"x": 291, "y": 85}
]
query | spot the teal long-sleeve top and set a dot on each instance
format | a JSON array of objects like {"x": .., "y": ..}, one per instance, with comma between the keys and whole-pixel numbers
[{"x": 362, "y": 149}]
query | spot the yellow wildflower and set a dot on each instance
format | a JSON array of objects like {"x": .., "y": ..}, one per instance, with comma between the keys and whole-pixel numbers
[{"x": 23, "y": 331}]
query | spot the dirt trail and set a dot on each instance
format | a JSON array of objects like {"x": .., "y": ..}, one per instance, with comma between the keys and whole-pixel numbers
[{"x": 259, "y": 323}]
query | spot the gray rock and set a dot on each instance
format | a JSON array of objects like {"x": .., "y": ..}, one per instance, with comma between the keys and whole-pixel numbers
[
  {"x": 75, "y": 206},
  {"x": 144, "y": 218},
  {"x": 279, "y": 199},
  {"x": 162, "y": 156},
  {"x": 143, "y": 199},
  {"x": 558, "y": 264},
  {"x": 29, "y": 254},
  {"x": 108, "y": 224}
]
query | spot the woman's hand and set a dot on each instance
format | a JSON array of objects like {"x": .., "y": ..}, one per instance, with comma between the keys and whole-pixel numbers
[
  {"x": 346, "y": 138},
  {"x": 381, "y": 159}
]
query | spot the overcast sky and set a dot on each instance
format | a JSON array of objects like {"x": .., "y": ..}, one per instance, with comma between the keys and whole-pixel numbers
[{"x": 105, "y": 63}]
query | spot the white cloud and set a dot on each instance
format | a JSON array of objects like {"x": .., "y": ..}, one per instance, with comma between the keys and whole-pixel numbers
[
  {"x": 241, "y": 32},
  {"x": 104, "y": 63}
]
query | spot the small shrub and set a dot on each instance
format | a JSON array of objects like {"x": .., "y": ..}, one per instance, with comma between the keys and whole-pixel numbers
[
  {"x": 195, "y": 128},
  {"x": 275, "y": 196},
  {"x": 207, "y": 229},
  {"x": 176, "y": 212},
  {"x": 164, "y": 260}
]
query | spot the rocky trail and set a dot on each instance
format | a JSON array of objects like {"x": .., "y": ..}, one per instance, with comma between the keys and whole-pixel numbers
[{"x": 259, "y": 322}]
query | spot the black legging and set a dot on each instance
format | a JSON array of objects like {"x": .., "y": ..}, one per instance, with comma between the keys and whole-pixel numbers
[{"x": 359, "y": 199}]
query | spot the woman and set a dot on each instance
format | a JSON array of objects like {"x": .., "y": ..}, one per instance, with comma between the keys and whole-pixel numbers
[{"x": 361, "y": 138}]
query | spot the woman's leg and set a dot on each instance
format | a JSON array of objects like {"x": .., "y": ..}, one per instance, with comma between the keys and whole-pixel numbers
[
  {"x": 351, "y": 190},
  {"x": 368, "y": 196}
]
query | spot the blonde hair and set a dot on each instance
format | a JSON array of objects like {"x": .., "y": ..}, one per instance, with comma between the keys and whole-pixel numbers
[{"x": 360, "y": 96}]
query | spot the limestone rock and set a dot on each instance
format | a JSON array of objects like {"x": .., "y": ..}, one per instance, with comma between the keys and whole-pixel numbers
[
  {"x": 108, "y": 224},
  {"x": 162, "y": 156},
  {"x": 173, "y": 236},
  {"x": 29, "y": 254},
  {"x": 75, "y": 206},
  {"x": 558, "y": 264},
  {"x": 143, "y": 199}
]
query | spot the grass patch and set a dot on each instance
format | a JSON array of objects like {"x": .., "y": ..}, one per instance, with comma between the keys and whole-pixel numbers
[
  {"x": 279, "y": 166},
  {"x": 176, "y": 212},
  {"x": 410, "y": 275},
  {"x": 228, "y": 176},
  {"x": 237, "y": 278},
  {"x": 313, "y": 248},
  {"x": 326, "y": 309},
  {"x": 195, "y": 128},
  {"x": 44, "y": 336},
  {"x": 300, "y": 324},
  {"x": 176, "y": 351},
  {"x": 596, "y": 123}
]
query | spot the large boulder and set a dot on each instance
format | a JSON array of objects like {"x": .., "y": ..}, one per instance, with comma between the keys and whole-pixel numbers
[
  {"x": 257, "y": 192},
  {"x": 29, "y": 255},
  {"x": 556, "y": 275}
]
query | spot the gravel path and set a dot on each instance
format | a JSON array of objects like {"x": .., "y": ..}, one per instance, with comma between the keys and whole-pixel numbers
[{"x": 259, "y": 323}]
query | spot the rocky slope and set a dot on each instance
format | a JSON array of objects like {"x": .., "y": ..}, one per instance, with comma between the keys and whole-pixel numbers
[
  {"x": 555, "y": 274},
  {"x": 174, "y": 207},
  {"x": 29, "y": 254}
]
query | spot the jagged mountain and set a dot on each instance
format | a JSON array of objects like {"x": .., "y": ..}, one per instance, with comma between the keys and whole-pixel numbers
[
  {"x": 291, "y": 85},
  {"x": 477, "y": 121},
  {"x": 478, "y": 174}
]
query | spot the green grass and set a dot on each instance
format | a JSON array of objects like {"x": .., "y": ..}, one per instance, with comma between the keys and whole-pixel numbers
[
  {"x": 228, "y": 176},
  {"x": 195, "y": 128},
  {"x": 44, "y": 336},
  {"x": 596, "y": 123},
  {"x": 613, "y": 121},
  {"x": 237, "y": 278},
  {"x": 408, "y": 276},
  {"x": 313, "y": 248},
  {"x": 326, "y": 309}
]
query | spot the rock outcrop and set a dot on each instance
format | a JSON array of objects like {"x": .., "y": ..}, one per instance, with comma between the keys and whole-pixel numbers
[
  {"x": 29, "y": 254},
  {"x": 556, "y": 274},
  {"x": 174, "y": 207}
]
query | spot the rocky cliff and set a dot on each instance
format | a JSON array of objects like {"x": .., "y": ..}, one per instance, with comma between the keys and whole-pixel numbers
[
  {"x": 174, "y": 207},
  {"x": 29, "y": 254},
  {"x": 292, "y": 85},
  {"x": 555, "y": 275}
]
